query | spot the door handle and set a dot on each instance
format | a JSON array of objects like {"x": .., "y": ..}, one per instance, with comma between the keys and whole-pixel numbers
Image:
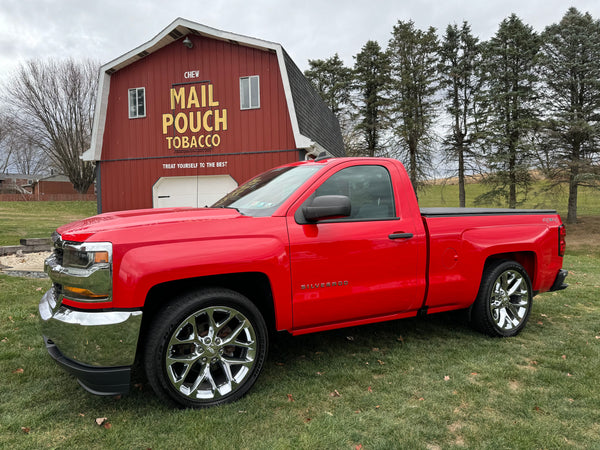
[{"x": 400, "y": 235}]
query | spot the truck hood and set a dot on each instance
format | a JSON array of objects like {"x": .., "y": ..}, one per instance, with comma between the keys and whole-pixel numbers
[{"x": 84, "y": 229}]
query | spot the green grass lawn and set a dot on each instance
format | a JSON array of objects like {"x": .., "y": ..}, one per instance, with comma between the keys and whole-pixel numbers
[
  {"x": 416, "y": 383},
  {"x": 588, "y": 201},
  {"x": 38, "y": 219}
]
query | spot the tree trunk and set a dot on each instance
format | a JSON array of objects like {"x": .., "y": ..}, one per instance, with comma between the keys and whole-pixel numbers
[{"x": 461, "y": 179}]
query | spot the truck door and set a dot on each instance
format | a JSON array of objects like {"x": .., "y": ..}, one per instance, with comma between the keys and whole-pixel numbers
[{"x": 355, "y": 267}]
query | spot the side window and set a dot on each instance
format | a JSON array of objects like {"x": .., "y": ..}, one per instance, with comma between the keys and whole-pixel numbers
[
  {"x": 250, "y": 92},
  {"x": 369, "y": 189},
  {"x": 137, "y": 103}
]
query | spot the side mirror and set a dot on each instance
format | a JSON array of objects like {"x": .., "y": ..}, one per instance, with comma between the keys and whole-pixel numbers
[{"x": 327, "y": 207}]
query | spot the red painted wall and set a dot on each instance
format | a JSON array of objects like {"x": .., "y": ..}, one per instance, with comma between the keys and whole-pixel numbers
[{"x": 136, "y": 152}]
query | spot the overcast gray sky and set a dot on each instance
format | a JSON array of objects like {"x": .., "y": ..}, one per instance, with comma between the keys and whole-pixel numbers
[{"x": 307, "y": 29}]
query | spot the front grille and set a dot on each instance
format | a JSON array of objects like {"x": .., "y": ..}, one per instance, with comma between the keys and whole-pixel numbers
[{"x": 58, "y": 247}]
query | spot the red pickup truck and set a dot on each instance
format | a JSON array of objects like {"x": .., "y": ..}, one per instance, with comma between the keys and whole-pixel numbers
[{"x": 306, "y": 247}]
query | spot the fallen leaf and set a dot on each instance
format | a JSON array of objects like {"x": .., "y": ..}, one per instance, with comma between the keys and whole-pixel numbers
[
  {"x": 6, "y": 339},
  {"x": 370, "y": 389},
  {"x": 25, "y": 430},
  {"x": 400, "y": 339},
  {"x": 381, "y": 363},
  {"x": 107, "y": 425},
  {"x": 446, "y": 378},
  {"x": 290, "y": 398},
  {"x": 279, "y": 364},
  {"x": 350, "y": 338},
  {"x": 569, "y": 375},
  {"x": 537, "y": 408},
  {"x": 335, "y": 393},
  {"x": 357, "y": 411},
  {"x": 39, "y": 289},
  {"x": 11, "y": 319},
  {"x": 358, "y": 447},
  {"x": 543, "y": 315},
  {"x": 377, "y": 407},
  {"x": 421, "y": 399},
  {"x": 139, "y": 386},
  {"x": 319, "y": 373},
  {"x": 100, "y": 420},
  {"x": 308, "y": 419},
  {"x": 318, "y": 353},
  {"x": 19, "y": 370},
  {"x": 375, "y": 349},
  {"x": 474, "y": 373},
  {"x": 540, "y": 322},
  {"x": 564, "y": 356},
  {"x": 330, "y": 413}
]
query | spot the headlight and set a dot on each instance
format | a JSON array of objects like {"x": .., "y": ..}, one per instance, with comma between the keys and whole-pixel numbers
[
  {"x": 83, "y": 256},
  {"x": 88, "y": 271}
]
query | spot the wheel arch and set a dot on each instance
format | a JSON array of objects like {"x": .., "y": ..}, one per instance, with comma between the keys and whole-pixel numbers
[
  {"x": 527, "y": 259},
  {"x": 255, "y": 286}
]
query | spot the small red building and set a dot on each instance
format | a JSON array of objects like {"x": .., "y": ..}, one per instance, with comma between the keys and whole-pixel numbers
[{"x": 188, "y": 116}]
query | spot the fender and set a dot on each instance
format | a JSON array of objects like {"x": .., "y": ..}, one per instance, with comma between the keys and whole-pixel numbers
[
  {"x": 143, "y": 267},
  {"x": 456, "y": 285}
]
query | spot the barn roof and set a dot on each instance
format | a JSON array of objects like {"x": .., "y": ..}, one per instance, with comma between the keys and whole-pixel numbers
[{"x": 315, "y": 127}]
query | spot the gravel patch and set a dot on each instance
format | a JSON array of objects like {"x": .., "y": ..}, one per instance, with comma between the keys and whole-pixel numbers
[{"x": 24, "y": 265}]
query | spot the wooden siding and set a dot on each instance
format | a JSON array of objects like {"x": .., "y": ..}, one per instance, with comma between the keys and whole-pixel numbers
[{"x": 136, "y": 152}]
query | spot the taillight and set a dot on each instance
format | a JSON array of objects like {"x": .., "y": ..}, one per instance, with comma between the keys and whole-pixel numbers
[{"x": 562, "y": 243}]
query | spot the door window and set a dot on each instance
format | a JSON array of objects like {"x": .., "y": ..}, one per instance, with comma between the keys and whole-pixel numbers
[{"x": 369, "y": 189}]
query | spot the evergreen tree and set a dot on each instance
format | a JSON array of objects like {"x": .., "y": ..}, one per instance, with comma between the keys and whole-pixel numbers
[
  {"x": 413, "y": 54},
  {"x": 510, "y": 66},
  {"x": 332, "y": 80},
  {"x": 372, "y": 75},
  {"x": 571, "y": 76},
  {"x": 459, "y": 59}
]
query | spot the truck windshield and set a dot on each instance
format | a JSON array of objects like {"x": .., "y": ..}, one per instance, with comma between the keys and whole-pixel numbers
[{"x": 262, "y": 195}]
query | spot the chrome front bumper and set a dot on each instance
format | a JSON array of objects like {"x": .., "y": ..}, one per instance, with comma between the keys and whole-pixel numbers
[{"x": 91, "y": 342}]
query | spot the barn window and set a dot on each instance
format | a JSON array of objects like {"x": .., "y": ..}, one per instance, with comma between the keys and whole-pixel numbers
[
  {"x": 250, "y": 92},
  {"x": 137, "y": 103}
]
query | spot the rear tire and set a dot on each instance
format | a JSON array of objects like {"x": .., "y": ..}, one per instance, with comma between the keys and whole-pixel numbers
[
  {"x": 205, "y": 348},
  {"x": 504, "y": 301}
]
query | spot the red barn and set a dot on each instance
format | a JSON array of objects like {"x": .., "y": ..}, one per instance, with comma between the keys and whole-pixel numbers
[{"x": 188, "y": 116}]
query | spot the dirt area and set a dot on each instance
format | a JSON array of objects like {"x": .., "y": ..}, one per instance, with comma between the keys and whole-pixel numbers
[
  {"x": 585, "y": 234},
  {"x": 26, "y": 262}
]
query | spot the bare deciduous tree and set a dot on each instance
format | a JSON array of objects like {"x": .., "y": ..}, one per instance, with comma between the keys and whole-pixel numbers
[{"x": 52, "y": 102}]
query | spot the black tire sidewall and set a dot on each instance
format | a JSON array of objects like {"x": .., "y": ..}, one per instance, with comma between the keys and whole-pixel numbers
[
  {"x": 481, "y": 315},
  {"x": 169, "y": 318}
]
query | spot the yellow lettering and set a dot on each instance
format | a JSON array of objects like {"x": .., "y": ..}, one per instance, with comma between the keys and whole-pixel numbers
[
  {"x": 181, "y": 117},
  {"x": 196, "y": 123},
  {"x": 207, "y": 125},
  {"x": 216, "y": 140},
  {"x": 167, "y": 122},
  {"x": 193, "y": 98},
  {"x": 220, "y": 119},
  {"x": 185, "y": 142},
  {"x": 211, "y": 102},
  {"x": 178, "y": 98},
  {"x": 176, "y": 142},
  {"x": 193, "y": 142},
  {"x": 201, "y": 141},
  {"x": 169, "y": 139},
  {"x": 203, "y": 94}
]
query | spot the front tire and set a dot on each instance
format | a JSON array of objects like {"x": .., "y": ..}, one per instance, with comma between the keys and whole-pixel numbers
[
  {"x": 504, "y": 301},
  {"x": 206, "y": 348}
]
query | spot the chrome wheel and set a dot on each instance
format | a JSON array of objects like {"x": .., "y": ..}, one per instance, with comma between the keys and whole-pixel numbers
[
  {"x": 211, "y": 353},
  {"x": 504, "y": 300},
  {"x": 205, "y": 348},
  {"x": 509, "y": 302}
]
